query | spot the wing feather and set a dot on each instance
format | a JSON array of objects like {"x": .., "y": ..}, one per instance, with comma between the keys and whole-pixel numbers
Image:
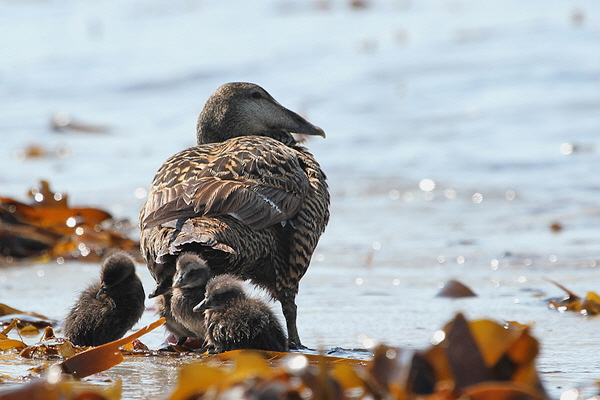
[{"x": 255, "y": 179}]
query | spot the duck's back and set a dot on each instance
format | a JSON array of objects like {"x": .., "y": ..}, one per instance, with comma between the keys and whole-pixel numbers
[
  {"x": 256, "y": 179},
  {"x": 244, "y": 204}
]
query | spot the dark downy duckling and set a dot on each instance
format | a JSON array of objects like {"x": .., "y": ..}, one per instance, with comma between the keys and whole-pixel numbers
[
  {"x": 173, "y": 326},
  {"x": 235, "y": 321},
  {"x": 107, "y": 309},
  {"x": 163, "y": 294},
  {"x": 189, "y": 285},
  {"x": 248, "y": 198}
]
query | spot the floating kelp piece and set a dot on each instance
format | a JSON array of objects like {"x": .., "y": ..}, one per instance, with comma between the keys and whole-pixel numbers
[
  {"x": 62, "y": 121},
  {"x": 49, "y": 349},
  {"x": 7, "y": 310},
  {"x": 45, "y": 197},
  {"x": 24, "y": 241},
  {"x": 101, "y": 358},
  {"x": 136, "y": 345},
  {"x": 389, "y": 369},
  {"x": 54, "y": 386},
  {"x": 36, "y": 150},
  {"x": 556, "y": 227},
  {"x": 471, "y": 353},
  {"x": 23, "y": 318},
  {"x": 502, "y": 391},
  {"x": 590, "y": 305},
  {"x": 48, "y": 228},
  {"x": 455, "y": 289},
  {"x": 464, "y": 358},
  {"x": 10, "y": 344},
  {"x": 26, "y": 320}
]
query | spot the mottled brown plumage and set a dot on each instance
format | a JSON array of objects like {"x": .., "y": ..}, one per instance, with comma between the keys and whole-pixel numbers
[{"x": 247, "y": 198}]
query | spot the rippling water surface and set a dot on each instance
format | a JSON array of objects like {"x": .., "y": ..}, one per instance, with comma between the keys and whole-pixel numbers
[{"x": 458, "y": 133}]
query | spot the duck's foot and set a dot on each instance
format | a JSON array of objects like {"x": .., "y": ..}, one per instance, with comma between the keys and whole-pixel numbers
[{"x": 298, "y": 347}]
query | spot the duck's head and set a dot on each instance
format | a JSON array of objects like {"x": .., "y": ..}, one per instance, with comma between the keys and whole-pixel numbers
[{"x": 245, "y": 109}]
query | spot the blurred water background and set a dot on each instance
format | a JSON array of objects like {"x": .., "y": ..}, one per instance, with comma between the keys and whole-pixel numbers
[{"x": 462, "y": 142}]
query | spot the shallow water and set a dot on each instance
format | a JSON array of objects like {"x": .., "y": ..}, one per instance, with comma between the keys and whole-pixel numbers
[{"x": 496, "y": 104}]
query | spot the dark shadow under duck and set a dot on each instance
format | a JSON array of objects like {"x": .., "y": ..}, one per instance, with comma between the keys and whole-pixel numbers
[
  {"x": 189, "y": 285},
  {"x": 107, "y": 309},
  {"x": 235, "y": 321},
  {"x": 247, "y": 198}
]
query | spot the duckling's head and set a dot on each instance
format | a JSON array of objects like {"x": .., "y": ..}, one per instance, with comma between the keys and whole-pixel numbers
[
  {"x": 191, "y": 272},
  {"x": 220, "y": 292},
  {"x": 116, "y": 268}
]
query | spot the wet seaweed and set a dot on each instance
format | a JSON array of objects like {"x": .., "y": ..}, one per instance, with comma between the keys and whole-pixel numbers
[
  {"x": 467, "y": 359},
  {"x": 48, "y": 228}
]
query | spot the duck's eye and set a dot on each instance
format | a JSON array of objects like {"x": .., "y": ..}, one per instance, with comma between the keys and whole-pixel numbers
[{"x": 256, "y": 95}]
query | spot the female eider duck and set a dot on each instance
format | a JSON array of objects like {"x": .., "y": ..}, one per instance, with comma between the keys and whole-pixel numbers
[
  {"x": 189, "y": 285},
  {"x": 107, "y": 309},
  {"x": 235, "y": 321},
  {"x": 247, "y": 198}
]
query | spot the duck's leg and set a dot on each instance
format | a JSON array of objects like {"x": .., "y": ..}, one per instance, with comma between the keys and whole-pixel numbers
[{"x": 290, "y": 312}]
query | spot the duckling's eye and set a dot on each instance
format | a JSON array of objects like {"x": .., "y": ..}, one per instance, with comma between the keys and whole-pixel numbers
[
  {"x": 256, "y": 95},
  {"x": 218, "y": 297}
]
